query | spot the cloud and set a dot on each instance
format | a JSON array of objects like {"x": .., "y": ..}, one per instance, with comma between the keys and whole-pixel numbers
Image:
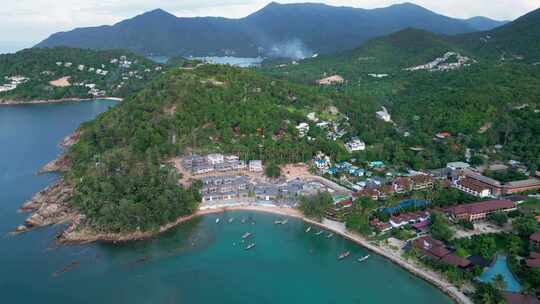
[{"x": 26, "y": 22}]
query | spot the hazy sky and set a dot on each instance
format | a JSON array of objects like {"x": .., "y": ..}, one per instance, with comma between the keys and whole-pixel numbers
[{"x": 23, "y": 23}]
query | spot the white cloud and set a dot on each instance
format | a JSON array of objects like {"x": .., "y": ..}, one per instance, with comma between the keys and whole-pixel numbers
[{"x": 26, "y": 22}]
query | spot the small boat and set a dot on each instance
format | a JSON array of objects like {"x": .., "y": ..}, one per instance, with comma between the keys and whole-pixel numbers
[
  {"x": 284, "y": 222},
  {"x": 278, "y": 222},
  {"x": 344, "y": 255},
  {"x": 243, "y": 220},
  {"x": 319, "y": 233},
  {"x": 217, "y": 220},
  {"x": 246, "y": 235},
  {"x": 330, "y": 235},
  {"x": 363, "y": 258},
  {"x": 308, "y": 229},
  {"x": 231, "y": 220},
  {"x": 250, "y": 246}
]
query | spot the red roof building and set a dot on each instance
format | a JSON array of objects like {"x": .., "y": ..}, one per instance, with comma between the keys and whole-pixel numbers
[
  {"x": 380, "y": 226},
  {"x": 535, "y": 237},
  {"x": 436, "y": 250},
  {"x": 480, "y": 210},
  {"x": 517, "y": 298}
]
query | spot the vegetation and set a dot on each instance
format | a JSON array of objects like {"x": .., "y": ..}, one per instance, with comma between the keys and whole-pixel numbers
[
  {"x": 439, "y": 227},
  {"x": 272, "y": 170},
  {"x": 40, "y": 66},
  {"x": 499, "y": 218},
  {"x": 358, "y": 218},
  {"x": 315, "y": 206},
  {"x": 506, "y": 175},
  {"x": 488, "y": 294}
]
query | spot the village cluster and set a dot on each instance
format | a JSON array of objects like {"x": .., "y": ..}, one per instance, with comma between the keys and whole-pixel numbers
[
  {"x": 12, "y": 83},
  {"x": 443, "y": 64}
]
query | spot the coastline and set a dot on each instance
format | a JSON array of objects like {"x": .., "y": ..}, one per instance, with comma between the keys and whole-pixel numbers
[
  {"x": 435, "y": 279},
  {"x": 47, "y": 101}
]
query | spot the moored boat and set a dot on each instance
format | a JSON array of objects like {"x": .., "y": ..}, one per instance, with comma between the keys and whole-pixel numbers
[
  {"x": 363, "y": 258},
  {"x": 217, "y": 220},
  {"x": 231, "y": 220},
  {"x": 250, "y": 246},
  {"x": 344, "y": 255},
  {"x": 319, "y": 233},
  {"x": 330, "y": 235},
  {"x": 308, "y": 229},
  {"x": 246, "y": 235}
]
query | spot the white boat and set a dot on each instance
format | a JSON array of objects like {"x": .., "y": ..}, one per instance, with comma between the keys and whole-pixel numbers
[
  {"x": 246, "y": 235},
  {"x": 231, "y": 220},
  {"x": 308, "y": 229},
  {"x": 330, "y": 235},
  {"x": 217, "y": 220},
  {"x": 363, "y": 258},
  {"x": 278, "y": 222},
  {"x": 250, "y": 246},
  {"x": 319, "y": 233},
  {"x": 243, "y": 220},
  {"x": 344, "y": 255},
  {"x": 284, "y": 222}
]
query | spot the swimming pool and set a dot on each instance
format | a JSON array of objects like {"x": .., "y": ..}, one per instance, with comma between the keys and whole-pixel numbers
[{"x": 501, "y": 267}]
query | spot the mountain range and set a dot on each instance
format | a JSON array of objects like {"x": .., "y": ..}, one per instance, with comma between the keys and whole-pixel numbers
[{"x": 277, "y": 30}]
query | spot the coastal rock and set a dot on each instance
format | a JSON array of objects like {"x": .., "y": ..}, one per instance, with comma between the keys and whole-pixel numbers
[
  {"x": 50, "y": 206},
  {"x": 71, "y": 139},
  {"x": 61, "y": 164}
]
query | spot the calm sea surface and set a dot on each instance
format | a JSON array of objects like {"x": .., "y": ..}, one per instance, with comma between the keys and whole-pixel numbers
[{"x": 199, "y": 262}]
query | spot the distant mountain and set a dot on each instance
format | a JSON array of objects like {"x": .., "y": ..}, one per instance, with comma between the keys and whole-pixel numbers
[
  {"x": 517, "y": 40},
  {"x": 484, "y": 24},
  {"x": 278, "y": 30}
]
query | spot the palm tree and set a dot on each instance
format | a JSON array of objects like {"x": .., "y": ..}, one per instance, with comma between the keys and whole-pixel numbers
[{"x": 499, "y": 283}]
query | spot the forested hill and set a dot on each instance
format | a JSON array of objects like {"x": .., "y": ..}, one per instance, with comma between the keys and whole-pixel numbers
[
  {"x": 515, "y": 41},
  {"x": 58, "y": 73},
  {"x": 431, "y": 83},
  {"x": 120, "y": 184},
  {"x": 277, "y": 30}
]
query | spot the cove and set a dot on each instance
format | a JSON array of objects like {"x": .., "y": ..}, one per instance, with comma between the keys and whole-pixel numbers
[{"x": 197, "y": 262}]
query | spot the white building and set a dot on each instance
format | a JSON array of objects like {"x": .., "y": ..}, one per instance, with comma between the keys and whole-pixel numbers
[
  {"x": 384, "y": 115},
  {"x": 303, "y": 129},
  {"x": 255, "y": 166},
  {"x": 355, "y": 145},
  {"x": 215, "y": 158},
  {"x": 80, "y": 67},
  {"x": 312, "y": 117}
]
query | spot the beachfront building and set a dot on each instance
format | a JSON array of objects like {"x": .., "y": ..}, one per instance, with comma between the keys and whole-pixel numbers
[
  {"x": 354, "y": 145},
  {"x": 480, "y": 210},
  {"x": 215, "y": 158},
  {"x": 380, "y": 226},
  {"x": 222, "y": 188},
  {"x": 436, "y": 250}
]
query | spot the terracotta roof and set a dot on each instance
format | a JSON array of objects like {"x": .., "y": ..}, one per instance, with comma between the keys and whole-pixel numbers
[
  {"x": 411, "y": 216},
  {"x": 481, "y": 207},
  {"x": 473, "y": 184},
  {"x": 455, "y": 260},
  {"x": 431, "y": 247},
  {"x": 532, "y": 263},
  {"x": 418, "y": 179},
  {"x": 534, "y": 255},
  {"x": 517, "y": 298},
  {"x": 535, "y": 237}
]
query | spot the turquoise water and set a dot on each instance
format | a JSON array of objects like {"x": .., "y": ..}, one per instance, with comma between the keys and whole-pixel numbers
[
  {"x": 199, "y": 262},
  {"x": 501, "y": 267}
]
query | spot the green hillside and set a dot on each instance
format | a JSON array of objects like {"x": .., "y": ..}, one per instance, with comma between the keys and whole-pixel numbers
[
  {"x": 120, "y": 184},
  {"x": 109, "y": 73},
  {"x": 484, "y": 92}
]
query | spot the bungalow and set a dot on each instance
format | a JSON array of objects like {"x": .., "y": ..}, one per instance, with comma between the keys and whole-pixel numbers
[
  {"x": 480, "y": 211},
  {"x": 380, "y": 226},
  {"x": 436, "y": 250},
  {"x": 442, "y": 135},
  {"x": 421, "y": 182},
  {"x": 384, "y": 115}
]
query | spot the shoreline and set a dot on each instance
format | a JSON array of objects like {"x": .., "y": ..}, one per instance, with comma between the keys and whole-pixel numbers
[
  {"x": 419, "y": 271},
  {"x": 50, "y": 101}
]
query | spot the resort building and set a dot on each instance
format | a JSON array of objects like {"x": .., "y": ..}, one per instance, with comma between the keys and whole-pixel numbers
[
  {"x": 380, "y": 226},
  {"x": 215, "y": 158},
  {"x": 404, "y": 219},
  {"x": 480, "y": 210},
  {"x": 436, "y": 250},
  {"x": 335, "y": 79},
  {"x": 303, "y": 129},
  {"x": 473, "y": 187},
  {"x": 497, "y": 188}
]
